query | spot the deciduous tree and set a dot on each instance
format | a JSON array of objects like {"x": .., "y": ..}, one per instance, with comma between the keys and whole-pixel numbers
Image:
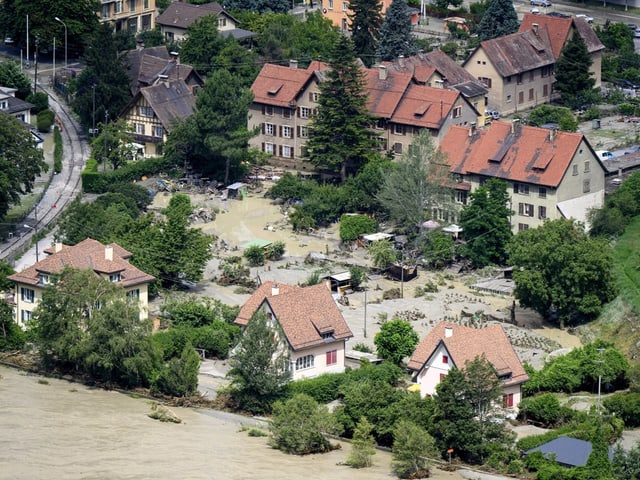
[
  {"x": 396, "y": 340},
  {"x": 365, "y": 19},
  {"x": 261, "y": 6},
  {"x": 395, "y": 34},
  {"x": 12, "y": 76},
  {"x": 499, "y": 20},
  {"x": 412, "y": 445},
  {"x": 362, "y": 445},
  {"x": 560, "y": 272},
  {"x": 203, "y": 42}
]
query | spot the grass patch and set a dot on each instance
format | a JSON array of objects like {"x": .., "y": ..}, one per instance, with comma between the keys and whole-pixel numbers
[
  {"x": 256, "y": 432},
  {"x": 162, "y": 413},
  {"x": 42, "y": 381}
]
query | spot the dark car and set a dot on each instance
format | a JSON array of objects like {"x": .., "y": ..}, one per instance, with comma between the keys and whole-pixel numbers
[
  {"x": 558, "y": 14},
  {"x": 624, "y": 83},
  {"x": 632, "y": 26}
]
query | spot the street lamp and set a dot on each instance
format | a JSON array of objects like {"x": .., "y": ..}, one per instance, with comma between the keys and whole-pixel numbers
[{"x": 57, "y": 19}]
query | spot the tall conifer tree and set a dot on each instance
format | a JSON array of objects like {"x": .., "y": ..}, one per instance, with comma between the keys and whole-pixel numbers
[
  {"x": 500, "y": 19},
  {"x": 395, "y": 34},
  {"x": 365, "y": 20}
]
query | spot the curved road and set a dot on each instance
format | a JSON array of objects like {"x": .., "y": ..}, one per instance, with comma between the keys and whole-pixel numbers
[{"x": 62, "y": 189}]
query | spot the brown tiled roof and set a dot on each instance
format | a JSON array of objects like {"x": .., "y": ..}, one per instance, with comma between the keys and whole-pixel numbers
[
  {"x": 559, "y": 29},
  {"x": 303, "y": 313},
  {"x": 384, "y": 94},
  {"x": 171, "y": 100},
  {"x": 519, "y": 52},
  {"x": 465, "y": 344},
  {"x": 280, "y": 86},
  {"x": 134, "y": 59},
  {"x": 183, "y": 14},
  {"x": 524, "y": 154},
  {"x": 86, "y": 255},
  {"x": 425, "y": 107}
]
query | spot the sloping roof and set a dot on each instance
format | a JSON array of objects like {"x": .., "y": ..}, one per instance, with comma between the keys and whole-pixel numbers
[
  {"x": 304, "y": 314},
  {"x": 384, "y": 94},
  {"x": 522, "y": 154},
  {"x": 425, "y": 107},
  {"x": 279, "y": 85},
  {"x": 86, "y": 255},
  {"x": 465, "y": 344},
  {"x": 567, "y": 451},
  {"x": 182, "y": 14},
  {"x": 170, "y": 100},
  {"x": 134, "y": 59},
  {"x": 559, "y": 29},
  {"x": 519, "y": 52}
]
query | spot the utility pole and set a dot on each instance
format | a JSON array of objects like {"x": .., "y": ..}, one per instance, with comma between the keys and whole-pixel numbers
[
  {"x": 104, "y": 134},
  {"x": 93, "y": 98},
  {"x": 35, "y": 61},
  {"x": 365, "y": 312},
  {"x": 600, "y": 362}
]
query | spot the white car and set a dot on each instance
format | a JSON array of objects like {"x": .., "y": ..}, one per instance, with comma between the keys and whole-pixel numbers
[
  {"x": 535, "y": 11},
  {"x": 586, "y": 17}
]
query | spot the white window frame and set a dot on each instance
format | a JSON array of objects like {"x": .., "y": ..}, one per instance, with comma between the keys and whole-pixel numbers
[
  {"x": 27, "y": 295},
  {"x": 269, "y": 129},
  {"x": 158, "y": 131},
  {"x": 269, "y": 148},
  {"x": 287, "y": 131},
  {"x": 304, "y": 131},
  {"x": 118, "y": 6},
  {"x": 140, "y": 128},
  {"x": 457, "y": 111},
  {"x": 115, "y": 277},
  {"x": 305, "y": 112},
  {"x": 287, "y": 151},
  {"x": 145, "y": 111},
  {"x": 306, "y": 362},
  {"x": 26, "y": 315}
]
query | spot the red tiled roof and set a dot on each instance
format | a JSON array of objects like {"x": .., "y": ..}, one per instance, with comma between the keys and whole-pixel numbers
[
  {"x": 423, "y": 65},
  {"x": 425, "y": 107},
  {"x": 530, "y": 155},
  {"x": 465, "y": 344},
  {"x": 279, "y": 85},
  {"x": 303, "y": 313},
  {"x": 559, "y": 29},
  {"x": 86, "y": 255},
  {"x": 384, "y": 94}
]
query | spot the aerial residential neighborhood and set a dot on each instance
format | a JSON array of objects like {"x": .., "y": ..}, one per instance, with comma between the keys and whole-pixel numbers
[{"x": 387, "y": 238}]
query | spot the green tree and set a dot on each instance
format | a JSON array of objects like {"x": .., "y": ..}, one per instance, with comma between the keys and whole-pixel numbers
[
  {"x": 396, "y": 340},
  {"x": 352, "y": 226},
  {"x": 574, "y": 81},
  {"x": 254, "y": 255},
  {"x": 486, "y": 224},
  {"x": 358, "y": 276},
  {"x": 563, "y": 116},
  {"x": 560, "y": 272},
  {"x": 616, "y": 36},
  {"x": 382, "y": 254},
  {"x": 20, "y": 162},
  {"x": 5, "y": 271},
  {"x": 12, "y": 76},
  {"x": 339, "y": 139},
  {"x": 260, "y": 366},
  {"x": 260, "y": 6},
  {"x": 626, "y": 464},
  {"x": 395, "y": 34},
  {"x": 11, "y": 335},
  {"x": 202, "y": 43},
  {"x": 365, "y": 21},
  {"x": 411, "y": 447},
  {"x": 362, "y": 445},
  {"x": 179, "y": 377},
  {"x": 444, "y": 4},
  {"x": 104, "y": 78},
  {"x": 118, "y": 142},
  {"x": 499, "y": 20},
  {"x": 438, "y": 249},
  {"x": 239, "y": 61},
  {"x": 416, "y": 186},
  {"x": 300, "y": 425}
]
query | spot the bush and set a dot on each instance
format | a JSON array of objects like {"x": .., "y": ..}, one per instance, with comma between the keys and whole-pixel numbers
[
  {"x": 180, "y": 376},
  {"x": 544, "y": 409},
  {"x": 275, "y": 251},
  {"x": 358, "y": 275},
  {"x": 625, "y": 406},
  {"x": 254, "y": 255},
  {"x": 40, "y": 101},
  {"x": 95, "y": 182},
  {"x": 322, "y": 389},
  {"x": 352, "y": 226},
  {"x": 45, "y": 120},
  {"x": 57, "y": 150}
]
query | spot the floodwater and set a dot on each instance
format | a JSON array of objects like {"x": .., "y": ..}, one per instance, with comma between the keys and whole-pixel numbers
[{"x": 53, "y": 429}]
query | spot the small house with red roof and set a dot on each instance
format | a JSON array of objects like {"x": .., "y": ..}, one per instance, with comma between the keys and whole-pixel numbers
[
  {"x": 449, "y": 345},
  {"x": 110, "y": 262},
  {"x": 549, "y": 174},
  {"x": 314, "y": 330}
]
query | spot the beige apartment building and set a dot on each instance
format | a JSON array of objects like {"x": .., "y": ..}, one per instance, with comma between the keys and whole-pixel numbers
[{"x": 129, "y": 15}]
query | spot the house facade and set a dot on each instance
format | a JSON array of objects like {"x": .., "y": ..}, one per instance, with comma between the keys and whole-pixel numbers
[
  {"x": 338, "y": 10},
  {"x": 450, "y": 346},
  {"x": 154, "y": 110},
  {"x": 11, "y": 105},
  {"x": 549, "y": 174},
  {"x": 314, "y": 331},
  {"x": 106, "y": 261},
  {"x": 129, "y": 15}
]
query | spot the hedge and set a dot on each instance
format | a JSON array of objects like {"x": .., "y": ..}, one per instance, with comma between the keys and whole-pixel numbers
[
  {"x": 57, "y": 150},
  {"x": 101, "y": 182}
]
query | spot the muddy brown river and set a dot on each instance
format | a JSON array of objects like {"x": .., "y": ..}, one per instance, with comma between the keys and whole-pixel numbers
[{"x": 53, "y": 429}]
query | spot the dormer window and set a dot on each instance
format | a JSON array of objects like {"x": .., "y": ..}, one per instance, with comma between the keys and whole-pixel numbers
[
  {"x": 327, "y": 336},
  {"x": 43, "y": 279},
  {"x": 4, "y": 105},
  {"x": 115, "y": 277}
]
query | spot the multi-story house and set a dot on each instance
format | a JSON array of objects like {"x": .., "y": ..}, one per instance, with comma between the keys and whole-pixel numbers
[
  {"x": 338, "y": 10},
  {"x": 106, "y": 261},
  {"x": 154, "y": 110},
  {"x": 129, "y": 15},
  {"x": 13, "y": 106},
  {"x": 549, "y": 174},
  {"x": 307, "y": 324}
]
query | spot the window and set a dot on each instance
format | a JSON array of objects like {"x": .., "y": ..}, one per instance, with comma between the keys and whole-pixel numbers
[
  {"x": 332, "y": 357},
  {"x": 545, "y": 90},
  {"x": 27, "y": 295},
  {"x": 399, "y": 129},
  {"x": 105, "y": 11},
  {"x": 586, "y": 186},
  {"x": 397, "y": 148},
  {"x": 118, "y": 6},
  {"x": 222, "y": 22},
  {"x": 575, "y": 170},
  {"x": 158, "y": 131},
  {"x": 268, "y": 147},
  {"x": 461, "y": 196},
  {"x": 304, "y": 362},
  {"x": 140, "y": 128},
  {"x": 345, "y": 6},
  {"x": 525, "y": 209},
  {"x": 286, "y": 113},
  {"x": 542, "y": 192},
  {"x": 531, "y": 76},
  {"x": 43, "y": 279},
  {"x": 133, "y": 295},
  {"x": 132, "y": 5},
  {"x": 544, "y": 71},
  {"x": 25, "y": 315},
  {"x": 287, "y": 132},
  {"x": 115, "y": 277},
  {"x": 522, "y": 227},
  {"x": 519, "y": 79},
  {"x": 305, "y": 112},
  {"x": 530, "y": 94},
  {"x": 287, "y": 151},
  {"x": 521, "y": 188},
  {"x": 507, "y": 400},
  {"x": 268, "y": 110},
  {"x": 442, "y": 376},
  {"x": 520, "y": 97},
  {"x": 542, "y": 212},
  {"x": 330, "y": 4},
  {"x": 269, "y": 129},
  {"x": 145, "y": 111},
  {"x": 486, "y": 81},
  {"x": 304, "y": 131},
  {"x": 445, "y": 359},
  {"x": 508, "y": 98},
  {"x": 314, "y": 96},
  {"x": 457, "y": 112},
  {"x": 146, "y": 4},
  {"x": 586, "y": 167}
]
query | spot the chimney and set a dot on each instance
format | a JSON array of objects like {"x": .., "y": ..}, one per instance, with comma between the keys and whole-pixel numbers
[
  {"x": 552, "y": 134},
  {"x": 472, "y": 129},
  {"x": 515, "y": 126},
  {"x": 164, "y": 79},
  {"x": 448, "y": 332},
  {"x": 293, "y": 63},
  {"x": 534, "y": 28},
  {"x": 327, "y": 284},
  {"x": 139, "y": 45},
  {"x": 174, "y": 57},
  {"x": 57, "y": 247},
  {"x": 401, "y": 61},
  {"x": 108, "y": 252},
  {"x": 382, "y": 72},
  {"x": 275, "y": 290}
]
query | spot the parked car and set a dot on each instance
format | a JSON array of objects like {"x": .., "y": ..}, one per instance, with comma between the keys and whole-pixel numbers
[
  {"x": 636, "y": 33},
  {"x": 604, "y": 154},
  {"x": 587, "y": 18},
  {"x": 8, "y": 41},
  {"x": 617, "y": 181},
  {"x": 494, "y": 114},
  {"x": 535, "y": 11},
  {"x": 559, "y": 15},
  {"x": 632, "y": 26},
  {"x": 624, "y": 83},
  {"x": 540, "y": 3}
]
